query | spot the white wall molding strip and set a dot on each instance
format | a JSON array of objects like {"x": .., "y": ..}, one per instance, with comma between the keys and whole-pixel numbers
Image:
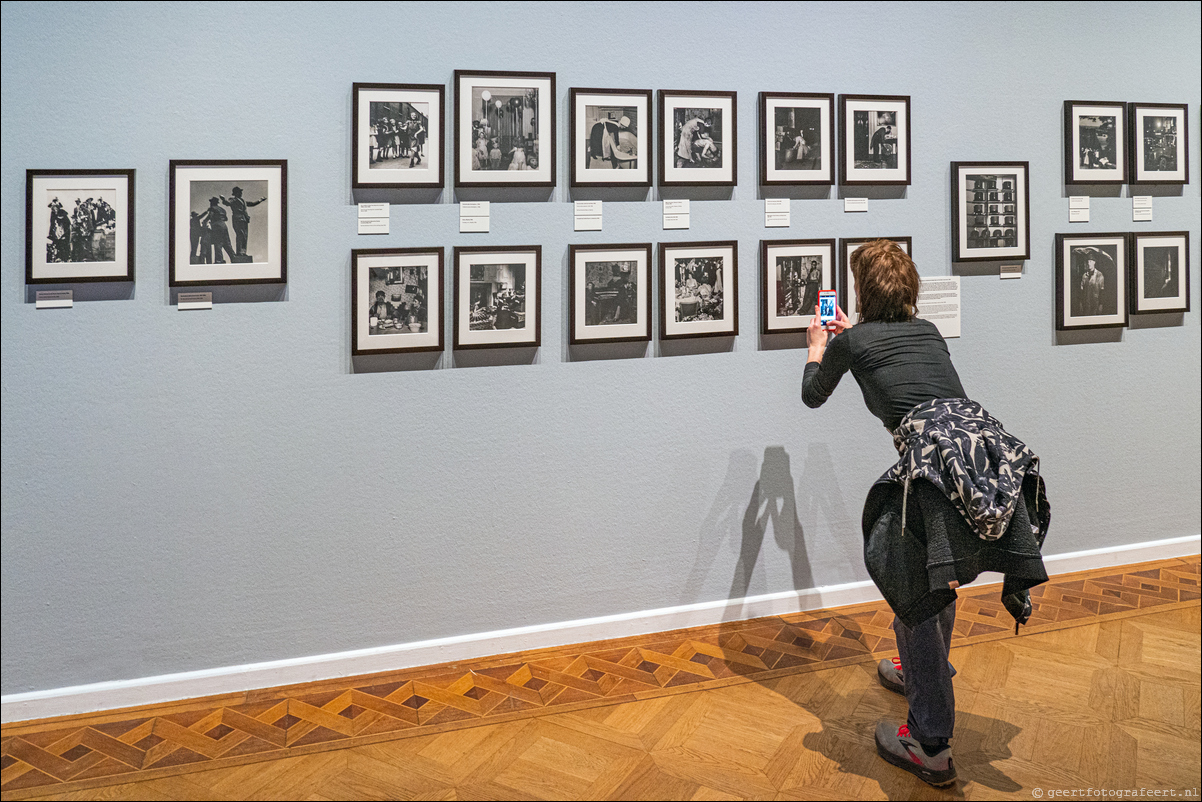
[{"x": 234, "y": 679}]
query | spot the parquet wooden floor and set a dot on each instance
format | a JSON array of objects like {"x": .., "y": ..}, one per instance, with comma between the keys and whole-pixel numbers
[{"x": 1101, "y": 692}]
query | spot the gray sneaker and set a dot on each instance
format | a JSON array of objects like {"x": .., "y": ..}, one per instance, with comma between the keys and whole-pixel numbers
[
  {"x": 889, "y": 674},
  {"x": 896, "y": 745}
]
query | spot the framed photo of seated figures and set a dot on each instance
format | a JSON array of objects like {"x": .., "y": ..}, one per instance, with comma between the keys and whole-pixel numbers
[
  {"x": 498, "y": 293},
  {"x": 847, "y": 286},
  {"x": 991, "y": 211},
  {"x": 874, "y": 139},
  {"x": 228, "y": 222},
  {"x": 699, "y": 289},
  {"x": 610, "y": 288},
  {"x": 610, "y": 137},
  {"x": 79, "y": 226},
  {"x": 697, "y": 141},
  {"x": 504, "y": 129},
  {"x": 1095, "y": 142},
  {"x": 793, "y": 272},
  {"x": 1158, "y": 278},
  {"x": 1091, "y": 281},
  {"x": 797, "y": 138},
  {"x": 396, "y": 300},
  {"x": 1159, "y": 143},
  {"x": 397, "y": 136}
]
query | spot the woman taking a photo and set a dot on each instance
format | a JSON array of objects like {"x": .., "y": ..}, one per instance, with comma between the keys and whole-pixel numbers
[{"x": 964, "y": 497}]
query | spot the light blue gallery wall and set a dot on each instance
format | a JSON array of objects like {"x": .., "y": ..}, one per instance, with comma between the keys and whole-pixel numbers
[{"x": 193, "y": 490}]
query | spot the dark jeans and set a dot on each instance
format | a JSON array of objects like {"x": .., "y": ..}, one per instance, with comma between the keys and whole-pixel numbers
[{"x": 928, "y": 674}]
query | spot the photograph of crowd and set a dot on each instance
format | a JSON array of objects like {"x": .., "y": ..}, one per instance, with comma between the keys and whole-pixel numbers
[
  {"x": 1160, "y": 144},
  {"x": 798, "y": 138},
  {"x": 1097, "y": 143},
  {"x": 398, "y": 134},
  {"x": 697, "y": 137},
  {"x": 1093, "y": 282},
  {"x": 215, "y": 207},
  {"x": 398, "y": 300},
  {"x": 497, "y": 297},
  {"x": 1160, "y": 272},
  {"x": 87, "y": 232},
  {"x": 991, "y": 204},
  {"x": 875, "y": 139},
  {"x": 612, "y": 142},
  {"x": 798, "y": 280},
  {"x": 699, "y": 289},
  {"x": 610, "y": 293},
  {"x": 505, "y": 133}
]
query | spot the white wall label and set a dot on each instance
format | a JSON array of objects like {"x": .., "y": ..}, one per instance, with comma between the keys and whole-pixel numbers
[
  {"x": 1141, "y": 209},
  {"x": 373, "y": 210},
  {"x": 855, "y": 204},
  {"x": 588, "y": 215},
  {"x": 54, "y": 299},
  {"x": 676, "y": 213},
  {"x": 1078, "y": 209},
  {"x": 776, "y": 212},
  {"x": 373, "y": 225},
  {"x": 1011, "y": 271},
  {"x": 194, "y": 300},
  {"x": 939, "y": 302},
  {"x": 473, "y": 217}
]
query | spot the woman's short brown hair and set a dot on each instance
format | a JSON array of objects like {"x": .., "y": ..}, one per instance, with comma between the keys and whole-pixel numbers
[{"x": 886, "y": 282}]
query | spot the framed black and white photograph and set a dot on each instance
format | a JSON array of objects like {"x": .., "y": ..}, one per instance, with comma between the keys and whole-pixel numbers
[
  {"x": 697, "y": 138},
  {"x": 396, "y": 300},
  {"x": 1159, "y": 143},
  {"x": 699, "y": 289},
  {"x": 1095, "y": 142},
  {"x": 874, "y": 136},
  {"x": 793, "y": 272},
  {"x": 848, "y": 300},
  {"x": 991, "y": 211},
  {"x": 610, "y": 288},
  {"x": 504, "y": 129},
  {"x": 497, "y": 296},
  {"x": 1158, "y": 277},
  {"x": 228, "y": 222},
  {"x": 1091, "y": 281},
  {"x": 797, "y": 138},
  {"x": 610, "y": 137},
  {"x": 397, "y": 136},
  {"x": 79, "y": 226}
]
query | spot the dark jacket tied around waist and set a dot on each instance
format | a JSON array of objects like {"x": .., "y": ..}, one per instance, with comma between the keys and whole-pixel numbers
[{"x": 981, "y": 507}]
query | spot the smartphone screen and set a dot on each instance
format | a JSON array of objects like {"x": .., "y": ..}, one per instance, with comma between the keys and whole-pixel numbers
[{"x": 826, "y": 307}]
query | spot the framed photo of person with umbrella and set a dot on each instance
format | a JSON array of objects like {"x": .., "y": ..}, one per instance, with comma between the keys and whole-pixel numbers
[{"x": 1091, "y": 281}]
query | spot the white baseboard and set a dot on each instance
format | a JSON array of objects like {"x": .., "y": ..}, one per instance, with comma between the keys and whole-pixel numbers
[{"x": 233, "y": 679}]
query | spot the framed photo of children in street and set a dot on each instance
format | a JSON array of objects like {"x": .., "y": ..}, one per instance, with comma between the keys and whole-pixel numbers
[
  {"x": 610, "y": 288},
  {"x": 79, "y": 226},
  {"x": 228, "y": 222},
  {"x": 991, "y": 212},
  {"x": 1159, "y": 143},
  {"x": 610, "y": 137},
  {"x": 1158, "y": 277},
  {"x": 1095, "y": 142},
  {"x": 797, "y": 138},
  {"x": 874, "y": 136},
  {"x": 699, "y": 289},
  {"x": 396, "y": 300},
  {"x": 793, "y": 272},
  {"x": 698, "y": 138},
  {"x": 498, "y": 293},
  {"x": 504, "y": 129},
  {"x": 1091, "y": 281},
  {"x": 397, "y": 136},
  {"x": 847, "y": 286}
]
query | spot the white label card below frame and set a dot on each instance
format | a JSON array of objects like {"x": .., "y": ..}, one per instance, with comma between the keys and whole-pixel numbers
[
  {"x": 373, "y": 225},
  {"x": 1010, "y": 271},
  {"x": 54, "y": 299},
  {"x": 193, "y": 300},
  {"x": 1078, "y": 208},
  {"x": 1141, "y": 208},
  {"x": 855, "y": 204},
  {"x": 776, "y": 213},
  {"x": 373, "y": 210},
  {"x": 587, "y": 215},
  {"x": 676, "y": 221},
  {"x": 473, "y": 217},
  {"x": 676, "y": 213}
]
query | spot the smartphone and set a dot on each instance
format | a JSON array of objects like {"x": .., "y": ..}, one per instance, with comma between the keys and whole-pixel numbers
[{"x": 826, "y": 308}]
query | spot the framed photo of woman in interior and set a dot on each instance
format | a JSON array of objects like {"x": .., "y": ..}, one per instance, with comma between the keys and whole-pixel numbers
[
  {"x": 396, "y": 300},
  {"x": 504, "y": 129},
  {"x": 1159, "y": 143},
  {"x": 1158, "y": 276},
  {"x": 847, "y": 286},
  {"x": 797, "y": 138},
  {"x": 79, "y": 226},
  {"x": 397, "y": 136},
  {"x": 497, "y": 296},
  {"x": 610, "y": 288},
  {"x": 874, "y": 139},
  {"x": 699, "y": 289},
  {"x": 1091, "y": 281},
  {"x": 697, "y": 138},
  {"x": 793, "y": 272},
  {"x": 1095, "y": 142},
  {"x": 991, "y": 211},
  {"x": 610, "y": 137}
]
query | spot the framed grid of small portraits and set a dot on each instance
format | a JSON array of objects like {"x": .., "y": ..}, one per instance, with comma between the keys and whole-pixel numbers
[
  {"x": 1158, "y": 278},
  {"x": 1159, "y": 143},
  {"x": 1095, "y": 142},
  {"x": 228, "y": 222},
  {"x": 79, "y": 226},
  {"x": 611, "y": 137},
  {"x": 397, "y": 139},
  {"x": 991, "y": 211},
  {"x": 697, "y": 138},
  {"x": 874, "y": 139},
  {"x": 611, "y": 293},
  {"x": 497, "y": 296},
  {"x": 1091, "y": 281},
  {"x": 699, "y": 289},
  {"x": 797, "y": 138},
  {"x": 396, "y": 300},
  {"x": 504, "y": 129},
  {"x": 793, "y": 272},
  {"x": 847, "y": 286}
]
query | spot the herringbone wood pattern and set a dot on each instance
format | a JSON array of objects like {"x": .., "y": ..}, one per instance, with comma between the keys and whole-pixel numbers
[{"x": 1105, "y": 693}]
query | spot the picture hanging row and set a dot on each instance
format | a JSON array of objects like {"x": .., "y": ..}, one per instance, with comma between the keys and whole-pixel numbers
[{"x": 1120, "y": 143}]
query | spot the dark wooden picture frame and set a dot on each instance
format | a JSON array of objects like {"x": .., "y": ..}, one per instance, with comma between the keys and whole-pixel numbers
[
  {"x": 849, "y": 173},
  {"x": 1142, "y": 144},
  {"x": 730, "y": 279},
  {"x": 666, "y": 159},
  {"x": 547, "y": 150},
  {"x": 1136, "y": 288},
  {"x": 642, "y": 296},
  {"x": 435, "y": 301},
  {"x": 1118, "y": 274},
  {"x": 845, "y": 279},
  {"x": 462, "y": 309},
  {"x": 59, "y": 220},
  {"x": 1095, "y": 146},
  {"x": 992, "y": 209},
  {"x": 435, "y": 135},
  {"x": 826, "y": 141},
  {"x": 644, "y": 133},
  {"x": 769, "y": 286}
]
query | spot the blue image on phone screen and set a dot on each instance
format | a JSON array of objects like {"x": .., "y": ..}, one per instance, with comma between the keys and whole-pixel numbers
[{"x": 826, "y": 308}]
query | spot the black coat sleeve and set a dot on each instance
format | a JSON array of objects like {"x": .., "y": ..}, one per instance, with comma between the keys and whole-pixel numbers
[{"x": 821, "y": 379}]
